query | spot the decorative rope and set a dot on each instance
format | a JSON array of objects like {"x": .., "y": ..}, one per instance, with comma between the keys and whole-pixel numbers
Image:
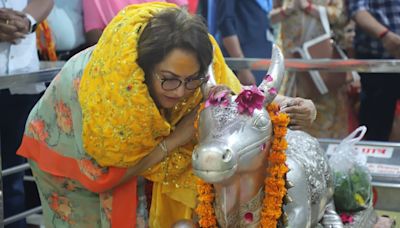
[{"x": 45, "y": 43}]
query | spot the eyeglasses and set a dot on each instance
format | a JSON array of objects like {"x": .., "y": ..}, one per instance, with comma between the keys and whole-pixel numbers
[{"x": 191, "y": 83}]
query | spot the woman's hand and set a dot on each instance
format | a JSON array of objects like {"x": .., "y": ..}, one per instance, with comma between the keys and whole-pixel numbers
[
  {"x": 216, "y": 90},
  {"x": 246, "y": 77},
  {"x": 184, "y": 131},
  {"x": 302, "y": 112},
  {"x": 13, "y": 25}
]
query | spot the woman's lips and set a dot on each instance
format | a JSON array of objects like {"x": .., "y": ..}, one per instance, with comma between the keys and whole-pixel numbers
[{"x": 174, "y": 99}]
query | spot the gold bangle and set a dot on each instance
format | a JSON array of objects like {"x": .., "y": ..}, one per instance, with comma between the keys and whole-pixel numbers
[{"x": 163, "y": 147}]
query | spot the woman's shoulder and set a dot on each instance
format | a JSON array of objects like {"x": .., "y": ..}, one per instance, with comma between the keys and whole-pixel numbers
[
  {"x": 82, "y": 56},
  {"x": 76, "y": 64}
]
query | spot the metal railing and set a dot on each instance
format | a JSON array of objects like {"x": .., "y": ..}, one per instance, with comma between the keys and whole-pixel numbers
[
  {"x": 46, "y": 73},
  {"x": 331, "y": 65},
  {"x": 49, "y": 69},
  {"x": 17, "y": 217}
]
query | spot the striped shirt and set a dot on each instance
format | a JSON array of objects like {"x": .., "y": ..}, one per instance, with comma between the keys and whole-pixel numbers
[{"x": 387, "y": 12}]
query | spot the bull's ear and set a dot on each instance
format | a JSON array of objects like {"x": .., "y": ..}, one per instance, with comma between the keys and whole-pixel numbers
[
  {"x": 210, "y": 82},
  {"x": 273, "y": 80}
]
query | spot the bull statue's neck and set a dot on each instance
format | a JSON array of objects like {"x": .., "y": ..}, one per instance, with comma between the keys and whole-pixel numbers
[{"x": 238, "y": 203}]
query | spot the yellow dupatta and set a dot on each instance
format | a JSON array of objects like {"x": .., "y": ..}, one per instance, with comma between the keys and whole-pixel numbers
[{"x": 121, "y": 123}]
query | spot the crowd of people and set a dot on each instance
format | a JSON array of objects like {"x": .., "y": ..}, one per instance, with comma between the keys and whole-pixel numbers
[{"x": 120, "y": 113}]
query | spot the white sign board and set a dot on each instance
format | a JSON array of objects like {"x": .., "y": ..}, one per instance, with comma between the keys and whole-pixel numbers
[
  {"x": 392, "y": 170},
  {"x": 370, "y": 151}
]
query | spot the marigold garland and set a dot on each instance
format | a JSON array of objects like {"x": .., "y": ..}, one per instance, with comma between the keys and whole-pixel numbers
[
  {"x": 45, "y": 42},
  {"x": 274, "y": 189},
  {"x": 205, "y": 209}
]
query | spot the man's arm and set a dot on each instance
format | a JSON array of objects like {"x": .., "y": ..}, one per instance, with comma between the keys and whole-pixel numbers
[
  {"x": 368, "y": 23},
  {"x": 230, "y": 40},
  {"x": 232, "y": 45},
  {"x": 390, "y": 40},
  {"x": 359, "y": 10},
  {"x": 92, "y": 36},
  {"x": 39, "y": 9}
]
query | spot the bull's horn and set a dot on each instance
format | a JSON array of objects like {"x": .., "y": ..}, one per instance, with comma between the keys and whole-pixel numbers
[
  {"x": 205, "y": 88},
  {"x": 273, "y": 80}
]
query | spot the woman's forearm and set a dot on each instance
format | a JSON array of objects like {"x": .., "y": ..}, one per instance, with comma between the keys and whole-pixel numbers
[{"x": 150, "y": 160}]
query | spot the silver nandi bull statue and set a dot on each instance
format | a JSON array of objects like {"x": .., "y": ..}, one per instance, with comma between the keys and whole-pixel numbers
[{"x": 231, "y": 155}]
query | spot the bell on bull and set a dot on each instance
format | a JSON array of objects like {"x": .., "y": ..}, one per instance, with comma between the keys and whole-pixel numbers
[{"x": 234, "y": 138}]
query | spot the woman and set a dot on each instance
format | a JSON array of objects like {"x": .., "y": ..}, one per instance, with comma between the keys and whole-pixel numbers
[
  {"x": 300, "y": 22},
  {"x": 123, "y": 110}
]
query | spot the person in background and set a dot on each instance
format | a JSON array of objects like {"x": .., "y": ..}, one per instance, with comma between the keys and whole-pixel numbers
[
  {"x": 377, "y": 37},
  {"x": 18, "y": 20},
  {"x": 124, "y": 110},
  {"x": 244, "y": 30},
  {"x": 346, "y": 39},
  {"x": 98, "y": 13},
  {"x": 300, "y": 22},
  {"x": 66, "y": 23}
]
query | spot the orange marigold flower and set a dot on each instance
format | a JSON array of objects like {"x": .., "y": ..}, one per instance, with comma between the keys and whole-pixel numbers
[
  {"x": 273, "y": 107},
  {"x": 280, "y": 132},
  {"x": 277, "y": 157},
  {"x": 279, "y": 145}
]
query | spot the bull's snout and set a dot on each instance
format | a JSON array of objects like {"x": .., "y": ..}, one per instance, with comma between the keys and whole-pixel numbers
[
  {"x": 208, "y": 156},
  {"x": 214, "y": 162}
]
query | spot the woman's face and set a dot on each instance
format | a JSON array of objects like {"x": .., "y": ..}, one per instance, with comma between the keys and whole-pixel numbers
[{"x": 178, "y": 67}]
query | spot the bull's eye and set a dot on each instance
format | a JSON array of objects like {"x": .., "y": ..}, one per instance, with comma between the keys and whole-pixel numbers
[{"x": 261, "y": 122}]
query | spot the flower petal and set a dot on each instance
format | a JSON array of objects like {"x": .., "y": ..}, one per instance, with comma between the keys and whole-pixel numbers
[
  {"x": 272, "y": 91},
  {"x": 268, "y": 78}
]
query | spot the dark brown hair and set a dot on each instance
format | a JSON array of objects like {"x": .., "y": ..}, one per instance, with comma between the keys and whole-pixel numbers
[{"x": 170, "y": 29}]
